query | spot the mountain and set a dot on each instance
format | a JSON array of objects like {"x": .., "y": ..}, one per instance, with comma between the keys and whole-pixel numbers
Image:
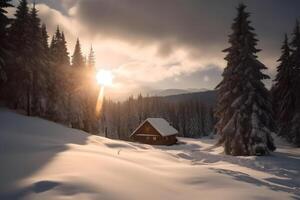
[
  {"x": 206, "y": 97},
  {"x": 170, "y": 92},
  {"x": 147, "y": 91}
]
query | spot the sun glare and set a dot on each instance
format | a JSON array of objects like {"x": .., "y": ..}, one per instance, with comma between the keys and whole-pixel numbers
[{"x": 104, "y": 77}]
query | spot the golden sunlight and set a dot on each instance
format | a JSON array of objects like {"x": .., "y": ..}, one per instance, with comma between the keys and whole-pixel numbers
[
  {"x": 100, "y": 101},
  {"x": 104, "y": 77}
]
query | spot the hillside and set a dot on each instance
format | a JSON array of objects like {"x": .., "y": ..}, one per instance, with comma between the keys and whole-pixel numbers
[{"x": 43, "y": 160}]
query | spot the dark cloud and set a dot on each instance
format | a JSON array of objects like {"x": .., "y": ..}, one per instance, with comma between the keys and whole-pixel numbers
[
  {"x": 169, "y": 21},
  {"x": 201, "y": 24}
]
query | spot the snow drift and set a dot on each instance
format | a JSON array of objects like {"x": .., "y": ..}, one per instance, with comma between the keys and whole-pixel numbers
[{"x": 44, "y": 160}]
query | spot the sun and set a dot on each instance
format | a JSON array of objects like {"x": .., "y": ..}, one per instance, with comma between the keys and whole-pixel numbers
[{"x": 104, "y": 77}]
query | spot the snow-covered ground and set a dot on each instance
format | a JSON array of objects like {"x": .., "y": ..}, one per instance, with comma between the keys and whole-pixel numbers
[{"x": 43, "y": 160}]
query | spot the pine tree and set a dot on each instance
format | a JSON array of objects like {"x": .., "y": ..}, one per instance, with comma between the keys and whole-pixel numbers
[
  {"x": 58, "y": 49},
  {"x": 50, "y": 75},
  {"x": 91, "y": 59},
  {"x": 38, "y": 57},
  {"x": 4, "y": 44},
  {"x": 244, "y": 107},
  {"x": 45, "y": 38},
  {"x": 78, "y": 91},
  {"x": 20, "y": 30},
  {"x": 92, "y": 94},
  {"x": 77, "y": 58},
  {"x": 294, "y": 135},
  {"x": 295, "y": 57},
  {"x": 65, "y": 59},
  {"x": 55, "y": 48},
  {"x": 54, "y": 89},
  {"x": 283, "y": 96},
  {"x": 60, "y": 82},
  {"x": 20, "y": 67}
]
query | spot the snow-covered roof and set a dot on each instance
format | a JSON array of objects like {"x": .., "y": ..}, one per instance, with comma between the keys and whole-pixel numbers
[{"x": 161, "y": 125}]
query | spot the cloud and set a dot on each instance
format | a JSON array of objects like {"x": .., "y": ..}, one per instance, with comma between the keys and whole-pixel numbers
[
  {"x": 169, "y": 23},
  {"x": 207, "y": 77},
  {"x": 166, "y": 43},
  {"x": 197, "y": 27},
  {"x": 197, "y": 23}
]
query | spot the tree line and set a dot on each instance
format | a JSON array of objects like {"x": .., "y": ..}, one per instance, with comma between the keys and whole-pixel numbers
[
  {"x": 286, "y": 90},
  {"x": 38, "y": 77},
  {"x": 192, "y": 118}
]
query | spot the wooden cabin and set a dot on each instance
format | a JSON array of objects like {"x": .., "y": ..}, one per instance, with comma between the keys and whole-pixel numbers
[{"x": 155, "y": 131}]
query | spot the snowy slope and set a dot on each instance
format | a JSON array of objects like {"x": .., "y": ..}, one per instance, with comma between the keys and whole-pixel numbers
[{"x": 44, "y": 160}]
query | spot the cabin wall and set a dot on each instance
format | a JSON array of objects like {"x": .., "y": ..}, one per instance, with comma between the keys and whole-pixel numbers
[{"x": 153, "y": 140}]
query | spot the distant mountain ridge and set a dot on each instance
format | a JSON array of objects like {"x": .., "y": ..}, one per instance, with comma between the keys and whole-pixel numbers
[
  {"x": 207, "y": 97},
  {"x": 148, "y": 92},
  {"x": 174, "y": 91}
]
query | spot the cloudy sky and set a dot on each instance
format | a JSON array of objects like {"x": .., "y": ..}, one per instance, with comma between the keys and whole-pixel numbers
[{"x": 164, "y": 44}]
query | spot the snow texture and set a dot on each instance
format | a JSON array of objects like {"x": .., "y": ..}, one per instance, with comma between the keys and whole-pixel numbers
[{"x": 45, "y": 160}]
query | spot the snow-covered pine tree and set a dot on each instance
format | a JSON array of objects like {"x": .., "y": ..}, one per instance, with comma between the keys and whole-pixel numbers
[
  {"x": 294, "y": 135},
  {"x": 282, "y": 92},
  {"x": 4, "y": 44},
  {"x": 244, "y": 109},
  {"x": 295, "y": 130}
]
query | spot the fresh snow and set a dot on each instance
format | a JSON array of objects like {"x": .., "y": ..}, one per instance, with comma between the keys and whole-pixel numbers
[
  {"x": 43, "y": 160},
  {"x": 161, "y": 125}
]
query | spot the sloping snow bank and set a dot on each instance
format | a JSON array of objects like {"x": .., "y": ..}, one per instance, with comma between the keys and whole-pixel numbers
[{"x": 44, "y": 160}]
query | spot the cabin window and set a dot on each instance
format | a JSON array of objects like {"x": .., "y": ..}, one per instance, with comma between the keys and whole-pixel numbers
[{"x": 154, "y": 138}]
